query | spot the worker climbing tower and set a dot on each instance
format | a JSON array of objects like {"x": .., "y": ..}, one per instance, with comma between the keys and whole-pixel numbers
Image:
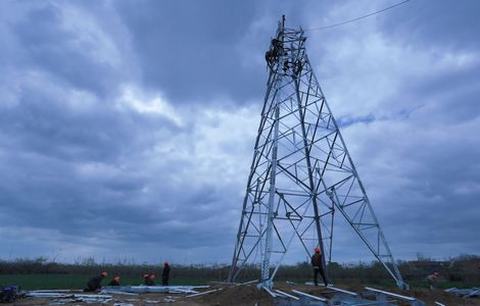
[{"x": 301, "y": 175}]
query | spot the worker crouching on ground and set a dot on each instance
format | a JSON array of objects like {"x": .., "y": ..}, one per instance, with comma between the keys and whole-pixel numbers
[
  {"x": 149, "y": 279},
  {"x": 318, "y": 267},
  {"x": 95, "y": 283},
  {"x": 165, "y": 274},
  {"x": 115, "y": 281}
]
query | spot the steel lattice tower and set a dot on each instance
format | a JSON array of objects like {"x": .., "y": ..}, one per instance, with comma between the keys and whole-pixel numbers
[{"x": 301, "y": 174}]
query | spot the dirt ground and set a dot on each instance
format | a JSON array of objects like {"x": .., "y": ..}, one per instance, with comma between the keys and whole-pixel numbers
[
  {"x": 425, "y": 295},
  {"x": 249, "y": 295}
]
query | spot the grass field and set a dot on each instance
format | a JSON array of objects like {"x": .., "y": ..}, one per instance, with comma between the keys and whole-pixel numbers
[
  {"x": 78, "y": 281},
  {"x": 44, "y": 281}
]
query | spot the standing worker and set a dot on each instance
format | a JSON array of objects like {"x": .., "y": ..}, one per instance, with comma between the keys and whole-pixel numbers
[
  {"x": 432, "y": 280},
  {"x": 165, "y": 274},
  {"x": 95, "y": 283},
  {"x": 318, "y": 267}
]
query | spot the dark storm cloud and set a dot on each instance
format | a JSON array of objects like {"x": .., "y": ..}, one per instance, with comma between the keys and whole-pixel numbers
[
  {"x": 453, "y": 95},
  {"x": 203, "y": 51},
  {"x": 447, "y": 24},
  {"x": 190, "y": 54},
  {"x": 128, "y": 125}
]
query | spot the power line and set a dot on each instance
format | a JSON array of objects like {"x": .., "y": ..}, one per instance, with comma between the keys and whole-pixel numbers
[{"x": 357, "y": 18}]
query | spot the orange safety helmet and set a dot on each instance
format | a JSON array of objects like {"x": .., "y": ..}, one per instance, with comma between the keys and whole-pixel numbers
[
  {"x": 104, "y": 274},
  {"x": 317, "y": 250}
]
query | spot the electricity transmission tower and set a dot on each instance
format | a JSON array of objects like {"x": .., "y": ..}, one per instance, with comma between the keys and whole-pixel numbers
[{"x": 301, "y": 175}]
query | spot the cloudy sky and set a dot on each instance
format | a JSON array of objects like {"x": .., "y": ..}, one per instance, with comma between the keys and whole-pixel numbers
[{"x": 127, "y": 127}]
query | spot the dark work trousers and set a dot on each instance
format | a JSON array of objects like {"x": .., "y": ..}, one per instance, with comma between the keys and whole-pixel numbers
[{"x": 317, "y": 270}]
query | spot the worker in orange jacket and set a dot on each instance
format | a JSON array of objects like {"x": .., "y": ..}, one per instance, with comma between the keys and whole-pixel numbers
[{"x": 317, "y": 265}]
